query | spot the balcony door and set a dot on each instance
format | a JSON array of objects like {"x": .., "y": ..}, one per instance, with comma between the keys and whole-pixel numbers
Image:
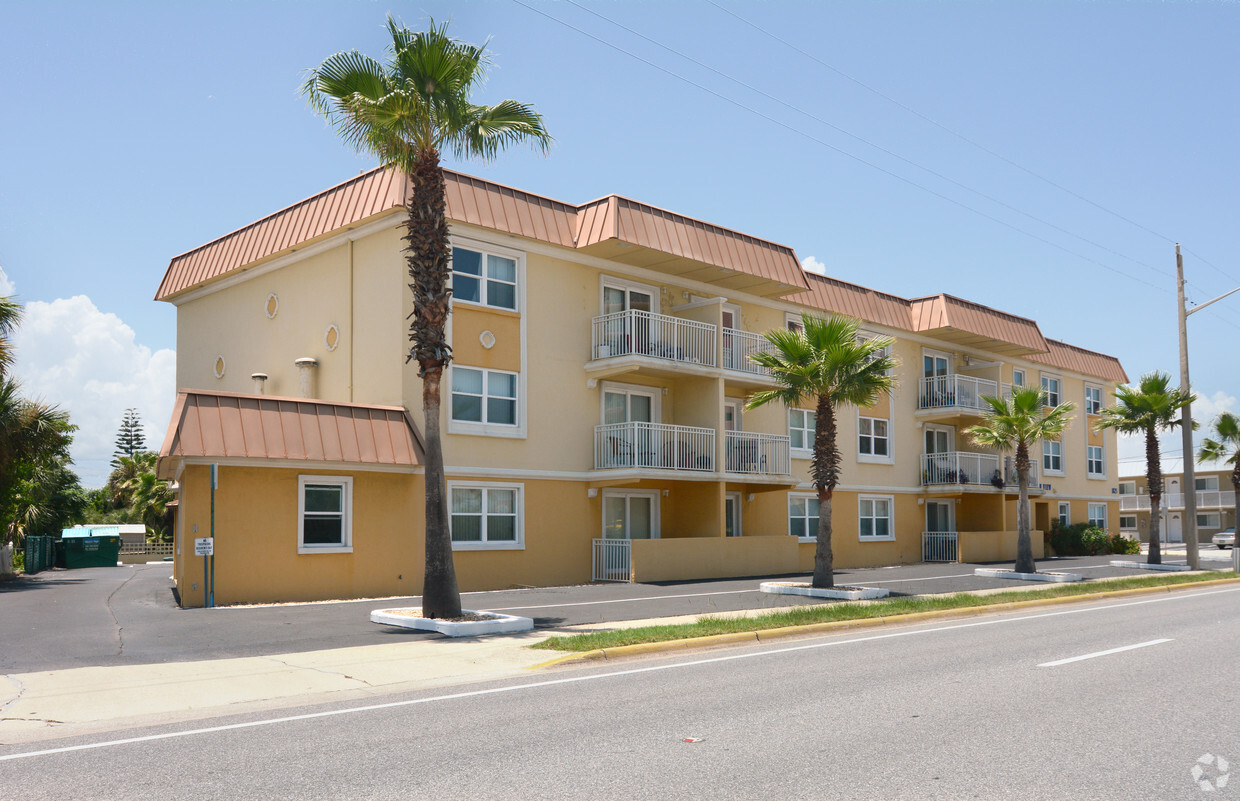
[
  {"x": 939, "y": 439},
  {"x": 627, "y": 333},
  {"x": 939, "y": 517},
  {"x": 732, "y": 514},
  {"x": 630, "y": 515},
  {"x": 936, "y": 388},
  {"x": 939, "y": 466},
  {"x": 733, "y": 353},
  {"x": 626, "y": 408}
]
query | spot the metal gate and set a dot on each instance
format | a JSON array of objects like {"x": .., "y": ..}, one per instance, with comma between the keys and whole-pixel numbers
[
  {"x": 938, "y": 546},
  {"x": 611, "y": 560}
]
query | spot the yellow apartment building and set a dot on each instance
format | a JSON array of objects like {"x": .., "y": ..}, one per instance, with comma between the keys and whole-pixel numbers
[
  {"x": 593, "y": 415},
  {"x": 1216, "y": 500}
]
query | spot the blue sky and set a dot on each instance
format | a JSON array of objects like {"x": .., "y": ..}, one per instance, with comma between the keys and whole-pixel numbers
[{"x": 136, "y": 131}]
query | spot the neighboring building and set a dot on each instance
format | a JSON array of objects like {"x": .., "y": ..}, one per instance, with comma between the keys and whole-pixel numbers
[
  {"x": 1216, "y": 500},
  {"x": 593, "y": 414}
]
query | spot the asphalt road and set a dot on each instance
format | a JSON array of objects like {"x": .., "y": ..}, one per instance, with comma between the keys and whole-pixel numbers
[
  {"x": 126, "y": 615},
  {"x": 985, "y": 708}
]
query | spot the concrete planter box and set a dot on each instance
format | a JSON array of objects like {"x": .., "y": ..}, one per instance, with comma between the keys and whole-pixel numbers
[
  {"x": 1146, "y": 565},
  {"x": 495, "y": 623},
  {"x": 990, "y": 572},
  {"x": 838, "y": 593}
]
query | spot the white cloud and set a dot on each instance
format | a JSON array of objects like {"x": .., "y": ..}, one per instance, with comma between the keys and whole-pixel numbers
[
  {"x": 6, "y": 286},
  {"x": 810, "y": 264},
  {"x": 86, "y": 361}
]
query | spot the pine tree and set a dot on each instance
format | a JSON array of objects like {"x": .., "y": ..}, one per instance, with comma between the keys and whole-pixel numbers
[{"x": 129, "y": 439}]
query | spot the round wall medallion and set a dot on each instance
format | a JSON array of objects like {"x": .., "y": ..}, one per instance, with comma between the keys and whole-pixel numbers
[
  {"x": 272, "y": 306},
  {"x": 219, "y": 366},
  {"x": 487, "y": 339},
  {"x": 332, "y": 337}
]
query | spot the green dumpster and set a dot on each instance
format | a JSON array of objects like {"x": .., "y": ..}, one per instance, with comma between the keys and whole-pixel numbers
[
  {"x": 97, "y": 546},
  {"x": 39, "y": 554}
]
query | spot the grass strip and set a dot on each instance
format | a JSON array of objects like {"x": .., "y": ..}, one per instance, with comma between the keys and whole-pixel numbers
[{"x": 853, "y": 610}]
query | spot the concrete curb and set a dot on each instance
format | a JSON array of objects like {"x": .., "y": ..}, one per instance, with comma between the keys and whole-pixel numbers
[{"x": 764, "y": 635}]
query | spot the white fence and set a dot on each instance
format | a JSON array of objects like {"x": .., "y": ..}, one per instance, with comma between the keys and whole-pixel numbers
[
  {"x": 1206, "y": 499},
  {"x": 611, "y": 560},
  {"x": 654, "y": 445},
  {"x": 958, "y": 467},
  {"x": 763, "y": 454},
  {"x": 939, "y": 546},
  {"x": 643, "y": 333},
  {"x": 946, "y": 391},
  {"x": 738, "y": 346}
]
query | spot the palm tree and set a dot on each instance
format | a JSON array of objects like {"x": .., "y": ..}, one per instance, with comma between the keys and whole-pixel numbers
[
  {"x": 405, "y": 112},
  {"x": 149, "y": 496},
  {"x": 10, "y": 316},
  {"x": 1150, "y": 408},
  {"x": 1227, "y": 450},
  {"x": 825, "y": 361},
  {"x": 1014, "y": 424}
]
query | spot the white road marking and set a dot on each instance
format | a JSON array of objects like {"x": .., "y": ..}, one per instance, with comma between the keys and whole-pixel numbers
[
  {"x": 909, "y": 632},
  {"x": 1107, "y": 652}
]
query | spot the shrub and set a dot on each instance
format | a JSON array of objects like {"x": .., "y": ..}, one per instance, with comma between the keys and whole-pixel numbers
[
  {"x": 19, "y": 561},
  {"x": 1122, "y": 544},
  {"x": 1067, "y": 540},
  {"x": 1095, "y": 541}
]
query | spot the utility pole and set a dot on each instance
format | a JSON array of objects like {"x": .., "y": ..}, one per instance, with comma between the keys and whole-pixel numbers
[{"x": 1186, "y": 418}]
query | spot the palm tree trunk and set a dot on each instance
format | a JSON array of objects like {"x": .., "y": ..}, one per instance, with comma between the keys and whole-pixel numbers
[
  {"x": 430, "y": 264},
  {"x": 1153, "y": 480},
  {"x": 1024, "y": 544},
  {"x": 826, "y": 476},
  {"x": 1235, "y": 512}
]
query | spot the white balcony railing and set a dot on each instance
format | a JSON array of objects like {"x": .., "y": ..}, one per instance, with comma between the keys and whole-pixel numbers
[
  {"x": 952, "y": 391},
  {"x": 738, "y": 346},
  {"x": 1206, "y": 499},
  {"x": 658, "y": 336},
  {"x": 762, "y": 454},
  {"x": 958, "y": 467},
  {"x": 939, "y": 546},
  {"x": 611, "y": 560},
  {"x": 654, "y": 445},
  {"x": 1009, "y": 472}
]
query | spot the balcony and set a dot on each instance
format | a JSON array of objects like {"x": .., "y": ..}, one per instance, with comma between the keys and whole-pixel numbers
[
  {"x": 666, "y": 346},
  {"x": 738, "y": 346},
  {"x": 654, "y": 446},
  {"x": 958, "y": 468},
  {"x": 1206, "y": 499},
  {"x": 952, "y": 395},
  {"x": 757, "y": 454}
]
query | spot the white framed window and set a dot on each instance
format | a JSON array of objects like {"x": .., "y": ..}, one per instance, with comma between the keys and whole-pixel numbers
[
  {"x": 1095, "y": 464},
  {"x": 484, "y": 397},
  {"x": 630, "y": 514},
  {"x": 874, "y": 518},
  {"x": 803, "y": 516},
  {"x": 484, "y": 278},
  {"x": 486, "y": 516},
  {"x": 1127, "y": 488},
  {"x": 873, "y": 439},
  {"x": 324, "y": 514},
  {"x": 794, "y": 322},
  {"x": 1018, "y": 378},
  {"x": 1210, "y": 520},
  {"x": 1065, "y": 513},
  {"x": 865, "y": 336},
  {"x": 1093, "y": 399},
  {"x": 1052, "y": 456},
  {"x": 1098, "y": 515},
  {"x": 801, "y": 424},
  {"x": 1053, "y": 386},
  {"x": 1206, "y": 483},
  {"x": 1128, "y": 522}
]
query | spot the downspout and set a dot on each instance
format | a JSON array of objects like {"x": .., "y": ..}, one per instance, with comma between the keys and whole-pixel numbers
[{"x": 352, "y": 311}]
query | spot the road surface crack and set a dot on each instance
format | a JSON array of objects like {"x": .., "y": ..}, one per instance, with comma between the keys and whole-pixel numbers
[
  {"x": 120, "y": 630},
  {"x": 36, "y": 720},
  {"x": 21, "y": 690},
  {"x": 318, "y": 670}
]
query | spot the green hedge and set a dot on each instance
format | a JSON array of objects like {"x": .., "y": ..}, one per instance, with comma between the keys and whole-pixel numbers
[{"x": 1082, "y": 539}]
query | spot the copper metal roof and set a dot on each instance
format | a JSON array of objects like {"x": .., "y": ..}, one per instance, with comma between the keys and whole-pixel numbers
[
  {"x": 224, "y": 425},
  {"x": 1080, "y": 360},
  {"x": 614, "y": 227},
  {"x": 841, "y": 297},
  {"x": 965, "y": 323}
]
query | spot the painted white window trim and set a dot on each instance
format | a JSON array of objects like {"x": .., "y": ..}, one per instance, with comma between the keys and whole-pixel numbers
[
  {"x": 738, "y": 502},
  {"x": 1091, "y": 508},
  {"x": 1024, "y": 377},
  {"x": 870, "y": 458},
  {"x": 519, "y": 544},
  {"x": 1064, "y": 510},
  {"x": 1131, "y": 517},
  {"x": 802, "y": 453},
  {"x": 863, "y": 335},
  {"x": 811, "y": 496},
  {"x": 616, "y": 282},
  {"x": 656, "y": 513},
  {"x": 791, "y": 319},
  {"x": 1132, "y": 484},
  {"x": 1047, "y": 471},
  {"x": 1101, "y": 399},
  {"x": 1215, "y": 488},
  {"x": 1043, "y": 377},
  {"x": 891, "y": 517},
  {"x": 470, "y": 428},
  {"x": 497, "y": 250},
  {"x": 347, "y": 502},
  {"x": 1217, "y": 517},
  {"x": 1090, "y": 473},
  {"x": 654, "y": 393}
]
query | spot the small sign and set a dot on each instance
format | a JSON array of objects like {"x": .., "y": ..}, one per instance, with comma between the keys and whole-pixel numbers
[
  {"x": 90, "y": 544},
  {"x": 204, "y": 546}
]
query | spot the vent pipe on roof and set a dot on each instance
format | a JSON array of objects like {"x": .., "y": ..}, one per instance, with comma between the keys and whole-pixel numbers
[
  {"x": 259, "y": 380},
  {"x": 305, "y": 378}
]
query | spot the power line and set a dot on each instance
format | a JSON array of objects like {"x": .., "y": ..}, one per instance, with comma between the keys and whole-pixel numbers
[
  {"x": 863, "y": 140},
  {"x": 839, "y": 150},
  {"x": 1218, "y": 270}
]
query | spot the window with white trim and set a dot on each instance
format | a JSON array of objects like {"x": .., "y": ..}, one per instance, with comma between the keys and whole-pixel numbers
[
  {"x": 484, "y": 278},
  {"x": 484, "y": 396},
  {"x": 1054, "y": 389},
  {"x": 1098, "y": 515},
  {"x": 324, "y": 514},
  {"x": 1018, "y": 378},
  {"x": 1095, "y": 464},
  {"x": 1210, "y": 520},
  {"x": 872, "y": 438},
  {"x": 1065, "y": 513},
  {"x": 874, "y": 517},
  {"x": 485, "y": 516},
  {"x": 866, "y": 336},
  {"x": 1093, "y": 400},
  {"x": 803, "y": 516},
  {"x": 1052, "y": 456},
  {"x": 1128, "y": 522},
  {"x": 1127, "y": 488},
  {"x": 801, "y": 425},
  {"x": 794, "y": 322},
  {"x": 1206, "y": 483}
]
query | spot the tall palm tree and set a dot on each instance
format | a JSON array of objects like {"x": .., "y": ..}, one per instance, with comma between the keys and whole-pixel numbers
[
  {"x": 825, "y": 362},
  {"x": 404, "y": 112},
  {"x": 149, "y": 496},
  {"x": 1225, "y": 449},
  {"x": 1153, "y": 406},
  {"x": 10, "y": 317},
  {"x": 1014, "y": 424}
]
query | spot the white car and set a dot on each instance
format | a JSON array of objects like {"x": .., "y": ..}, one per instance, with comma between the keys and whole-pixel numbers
[{"x": 1225, "y": 539}]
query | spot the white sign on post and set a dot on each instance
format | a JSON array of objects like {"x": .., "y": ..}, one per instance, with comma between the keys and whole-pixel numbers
[{"x": 204, "y": 546}]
